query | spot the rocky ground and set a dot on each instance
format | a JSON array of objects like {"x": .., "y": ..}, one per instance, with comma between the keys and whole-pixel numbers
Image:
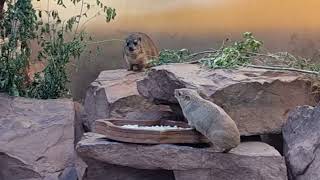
[{"x": 52, "y": 139}]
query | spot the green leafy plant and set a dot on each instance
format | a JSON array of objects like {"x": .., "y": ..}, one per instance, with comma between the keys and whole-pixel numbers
[
  {"x": 59, "y": 40},
  {"x": 18, "y": 27},
  {"x": 234, "y": 55},
  {"x": 243, "y": 53},
  {"x": 237, "y": 54},
  {"x": 167, "y": 56}
]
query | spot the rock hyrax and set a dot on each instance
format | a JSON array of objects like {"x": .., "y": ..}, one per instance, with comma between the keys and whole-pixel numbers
[
  {"x": 138, "y": 50},
  {"x": 209, "y": 119}
]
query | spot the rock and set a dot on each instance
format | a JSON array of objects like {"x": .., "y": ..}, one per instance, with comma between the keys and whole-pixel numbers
[
  {"x": 98, "y": 170},
  {"x": 114, "y": 94},
  {"x": 13, "y": 168},
  {"x": 250, "y": 160},
  {"x": 257, "y": 100},
  {"x": 209, "y": 119},
  {"x": 36, "y": 138},
  {"x": 301, "y": 137},
  {"x": 275, "y": 140},
  {"x": 80, "y": 118}
]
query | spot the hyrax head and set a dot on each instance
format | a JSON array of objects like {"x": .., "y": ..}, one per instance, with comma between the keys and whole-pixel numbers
[
  {"x": 133, "y": 43},
  {"x": 186, "y": 96}
]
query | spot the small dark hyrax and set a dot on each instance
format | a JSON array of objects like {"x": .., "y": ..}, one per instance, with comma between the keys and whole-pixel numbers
[
  {"x": 138, "y": 50},
  {"x": 209, "y": 119}
]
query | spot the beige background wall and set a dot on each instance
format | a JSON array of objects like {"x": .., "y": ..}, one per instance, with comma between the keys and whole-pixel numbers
[{"x": 283, "y": 25}]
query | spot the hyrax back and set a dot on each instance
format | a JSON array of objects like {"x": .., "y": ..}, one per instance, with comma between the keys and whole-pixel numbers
[{"x": 138, "y": 50}]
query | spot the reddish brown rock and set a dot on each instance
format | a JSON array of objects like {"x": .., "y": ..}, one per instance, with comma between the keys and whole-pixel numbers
[
  {"x": 114, "y": 95},
  {"x": 250, "y": 160},
  {"x": 257, "y": 100},
  {"x": 36, "y": 139},
  {"x": 98, "y": 170}
]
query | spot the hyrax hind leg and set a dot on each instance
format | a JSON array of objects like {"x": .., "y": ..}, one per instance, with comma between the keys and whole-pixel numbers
[
  {"x": 140, "y": 67},
  {"x": 130, "y": 67}
]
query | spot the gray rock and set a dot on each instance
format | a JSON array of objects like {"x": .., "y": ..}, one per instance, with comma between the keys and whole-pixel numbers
[
  {"x": 275, "y": 140},
  {"x": 301, "y": 143},
  {"x": 12, "y": 168},
  {"x": 98, "y": 170},
  {"x": 257, "y": 100},
  {"x": 36, "y": 138},
  {"x": 250, "y": 159},
  {"x": 80, "y": 117},
  {"x": 114, "y": 94}
]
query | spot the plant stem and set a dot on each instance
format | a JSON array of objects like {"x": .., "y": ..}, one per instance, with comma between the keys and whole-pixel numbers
[
  {"x": 88, "y": 20},
  {"x": 203, "y": 52},
  {"x": 284, "y": 68},
  {"x": 80, "y": 15},
  {"x": 107, "y": 40}
]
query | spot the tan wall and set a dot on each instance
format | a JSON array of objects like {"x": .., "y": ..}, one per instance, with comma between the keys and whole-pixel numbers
[{"x": 283, "y": 25}]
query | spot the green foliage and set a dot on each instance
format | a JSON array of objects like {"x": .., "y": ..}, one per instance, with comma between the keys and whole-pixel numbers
[
  {"x": 21, "y": 25},
  {"x": 237, "y": 54},
  {"x": 167, "y": 56},
  {"x": 231, "y": 56},
  {"x": 240, "y": 53},
  {"x": 18, "y": 26}
]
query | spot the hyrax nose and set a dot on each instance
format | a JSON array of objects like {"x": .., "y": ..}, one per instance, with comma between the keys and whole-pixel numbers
[{"x": 131, "y": 49}]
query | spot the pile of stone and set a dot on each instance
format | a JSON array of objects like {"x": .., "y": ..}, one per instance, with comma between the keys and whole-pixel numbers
[
  {"x": 259, "y": 102},
  {"x": 275, "y": 114}
]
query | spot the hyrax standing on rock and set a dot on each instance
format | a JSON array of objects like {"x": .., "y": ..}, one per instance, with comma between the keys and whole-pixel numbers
[
  {"x": 209, "y": 119},
  {"x": 138, "y": 50}
]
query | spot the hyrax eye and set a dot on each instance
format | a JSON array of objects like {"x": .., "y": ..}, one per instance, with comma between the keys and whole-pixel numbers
[
  {"x": 135, "y": 43},
  {"x": 128, "y": 43}
]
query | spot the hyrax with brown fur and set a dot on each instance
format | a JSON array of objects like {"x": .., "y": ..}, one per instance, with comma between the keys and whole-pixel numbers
[{"x": 138, "y": 50}]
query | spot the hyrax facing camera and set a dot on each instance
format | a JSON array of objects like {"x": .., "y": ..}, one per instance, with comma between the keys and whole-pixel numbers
[{"x": 138, "y": 50}]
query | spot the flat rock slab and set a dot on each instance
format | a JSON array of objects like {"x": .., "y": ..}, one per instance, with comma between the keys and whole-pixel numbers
[
  {"x": 301, "y": 135},
  {"x": 98, "y": 170},
  {"x": 114, "y": 94},
  {"x": 36, "y": 138},
  {"x": 251, "y": 159},
  {"x": 257, "y": 100}
]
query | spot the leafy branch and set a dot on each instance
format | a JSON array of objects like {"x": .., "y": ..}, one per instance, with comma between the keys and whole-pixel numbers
[{"x": 243, "y": 53}]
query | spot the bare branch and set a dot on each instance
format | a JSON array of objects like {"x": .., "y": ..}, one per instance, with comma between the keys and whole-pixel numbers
[{"x": 284, "y": 68}]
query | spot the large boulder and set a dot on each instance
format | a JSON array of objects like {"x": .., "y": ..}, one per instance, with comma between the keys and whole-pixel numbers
[
  {"x": 114, "y": 94},
  {"x": 301, "y": 136},
  {"x": 257, "y": 100},
  {"x": 36, "y": 139},
  {"x": 250, "y": 160}
]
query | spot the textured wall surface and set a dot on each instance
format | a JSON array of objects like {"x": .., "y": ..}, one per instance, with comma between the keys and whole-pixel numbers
[{"x": 289, "y": 25}]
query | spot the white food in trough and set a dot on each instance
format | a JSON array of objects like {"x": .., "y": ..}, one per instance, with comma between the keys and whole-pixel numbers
[{"x": 154, "y": 128}]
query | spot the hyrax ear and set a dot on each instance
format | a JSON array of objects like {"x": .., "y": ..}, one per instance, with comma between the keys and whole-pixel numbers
[
  {"x": 139, "y": 38},
  {"x": 177, "y": 92}
]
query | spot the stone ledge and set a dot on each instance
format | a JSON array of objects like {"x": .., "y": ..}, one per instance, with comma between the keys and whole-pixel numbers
[
  {"x": 257, "y": 100},
  {"x": 256, "y": 158}
]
